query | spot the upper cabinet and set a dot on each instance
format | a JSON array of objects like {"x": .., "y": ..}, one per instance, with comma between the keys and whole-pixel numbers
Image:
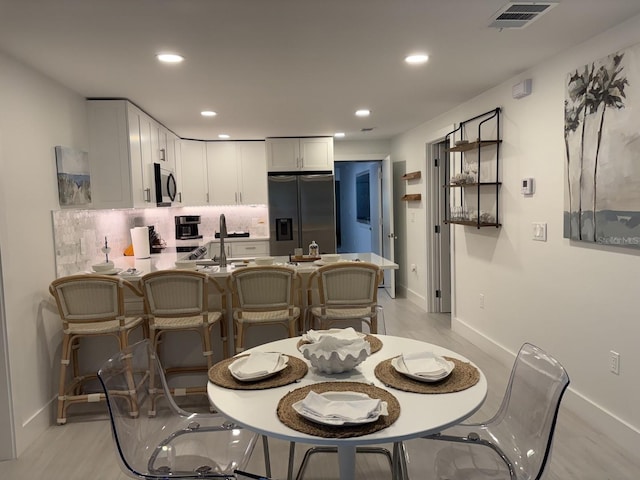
[
  {"x": 120, "y": 155},
  {"x": 223, "y": 173},
  {"x": 299, "y": 154},
  {"x": 193, "y": 173}
]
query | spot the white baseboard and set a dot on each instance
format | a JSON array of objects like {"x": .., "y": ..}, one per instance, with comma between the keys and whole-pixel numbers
[
  {"x": 617, "y": 430},
  {"x": 412, "y": 296},
  {"x": 33, "y": 427}
]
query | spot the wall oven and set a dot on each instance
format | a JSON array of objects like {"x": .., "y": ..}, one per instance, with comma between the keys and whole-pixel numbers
[{"x": 166, "y": 187}]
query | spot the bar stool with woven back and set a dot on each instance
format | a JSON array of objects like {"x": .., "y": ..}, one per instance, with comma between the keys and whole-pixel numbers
[
  {"x": 178, "y": 300},
  {"x": 343, "y": 293},
  {"x": 264, "y": 295},
  {"x": 89, "y": 306}
]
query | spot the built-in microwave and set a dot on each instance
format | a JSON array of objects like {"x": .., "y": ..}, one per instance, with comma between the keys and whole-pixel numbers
[{"x": 166, "y": 187}]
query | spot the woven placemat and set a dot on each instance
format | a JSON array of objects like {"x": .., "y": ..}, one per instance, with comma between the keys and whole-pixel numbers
[
  {"x": 220, "y": 375},
  {"x": 374, "y": 342},
  {"x": 463, "y": 376},
  {"x": 292, "y": 419}
]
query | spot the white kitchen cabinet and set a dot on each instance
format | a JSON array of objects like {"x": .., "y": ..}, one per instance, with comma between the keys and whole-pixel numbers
[
  {"x": 120, "y": 155},
  {"x": 237, "y": 173},
  {"x": 193, "y": 172},
  {"x": 240, "y": 249},
  {"x": 299, "y": 154}
]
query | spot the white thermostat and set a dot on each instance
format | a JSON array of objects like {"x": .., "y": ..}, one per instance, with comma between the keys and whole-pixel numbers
[{"x": 526, "y": 188}]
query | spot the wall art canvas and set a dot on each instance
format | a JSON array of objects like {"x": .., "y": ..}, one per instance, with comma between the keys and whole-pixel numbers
[
  {"x": 602, "y": 143},
  {"x": 74, "y": 180}
]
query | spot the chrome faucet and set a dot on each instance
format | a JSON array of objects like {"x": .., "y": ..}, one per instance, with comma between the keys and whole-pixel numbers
[{"x": 222, "y": 260}]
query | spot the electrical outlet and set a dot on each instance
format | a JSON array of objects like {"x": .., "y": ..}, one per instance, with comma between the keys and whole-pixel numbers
[
  {"x": 614, "y": 362},
  {"x": 414, "y": 267},
  {"x": 482, "y": 300}
]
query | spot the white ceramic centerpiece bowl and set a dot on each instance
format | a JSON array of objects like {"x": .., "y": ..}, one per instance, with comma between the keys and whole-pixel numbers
[
  {"x": 262, "y": 261},
  {"x": 102, "y": 267},
  {"x": 330, "y": 257},
  {"x": 186, "y": 264},
  {"x": 335, "y": 362}
]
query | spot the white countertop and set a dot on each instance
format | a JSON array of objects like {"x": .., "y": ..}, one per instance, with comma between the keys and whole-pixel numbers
[{"x": 166, "y": 261}]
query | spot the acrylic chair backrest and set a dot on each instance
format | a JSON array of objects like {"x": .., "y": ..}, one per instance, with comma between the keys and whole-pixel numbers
[
  {"x": 174, "y": 439},
  {"x": 524, "y": 425}
]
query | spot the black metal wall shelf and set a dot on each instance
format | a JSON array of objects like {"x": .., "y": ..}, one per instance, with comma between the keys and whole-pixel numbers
[{"x": 471, "y": 185}]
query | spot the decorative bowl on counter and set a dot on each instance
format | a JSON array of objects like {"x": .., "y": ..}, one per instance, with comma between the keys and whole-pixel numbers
[
  {"x": 330, "y": 257},
  {"x": 102, "y": 267},
  {"x": 262, "y": 261},
  {"x": 186, "y": 264}
]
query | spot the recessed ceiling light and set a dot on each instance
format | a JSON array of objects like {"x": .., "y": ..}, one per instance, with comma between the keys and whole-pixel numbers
[
  {"x": 416, "y": 58},
  {"x": 339, "y": 134},
  {"x": 363, "y": 113},
  {"x": 169, "y": 57},
  {"x": 208, "y": 113},
  {"x": 223, "y": 136}
]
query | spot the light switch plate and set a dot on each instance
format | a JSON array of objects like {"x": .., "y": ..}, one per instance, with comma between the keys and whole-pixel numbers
[{"x": 539, "y": 231}]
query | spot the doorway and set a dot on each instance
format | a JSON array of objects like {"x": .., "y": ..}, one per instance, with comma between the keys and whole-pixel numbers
[
  {"x": 359, "y": 206},
  {"x": 439, "y": 248}
]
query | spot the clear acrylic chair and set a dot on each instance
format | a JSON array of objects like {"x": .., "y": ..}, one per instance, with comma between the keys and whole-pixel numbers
[
  {"x": 344, "y": 293},
  {"x": 89, "y": 306},
  {"x": 265, "y": 295},
  {"x": 516, "y": 443},
  {"x": 174, "y": 443}
]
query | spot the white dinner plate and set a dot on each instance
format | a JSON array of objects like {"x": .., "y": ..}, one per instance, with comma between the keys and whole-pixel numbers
[
  {"x": 338, "y": 397},
  {"x": 113, "y": 271},
  {"x": 399, "y": 365},
  {"x": 237, "y": 364}
]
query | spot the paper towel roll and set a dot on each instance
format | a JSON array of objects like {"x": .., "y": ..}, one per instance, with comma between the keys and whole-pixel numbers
[{"x": 140, "y": 241}]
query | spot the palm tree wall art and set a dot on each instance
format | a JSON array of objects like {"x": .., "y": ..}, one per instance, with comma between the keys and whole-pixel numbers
[{"x": 602, "y": 150}]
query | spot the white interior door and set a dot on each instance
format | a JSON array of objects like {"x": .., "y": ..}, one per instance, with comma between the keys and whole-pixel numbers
[{"x": 388, "y": 234}]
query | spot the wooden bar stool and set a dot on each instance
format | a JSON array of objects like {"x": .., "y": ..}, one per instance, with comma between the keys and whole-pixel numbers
[
  {"x": 347, "y": 292},
  {"x": 178, "y": 300},
  {"x": 89, "y": 306},
  {"x": 264, "y": 295}
]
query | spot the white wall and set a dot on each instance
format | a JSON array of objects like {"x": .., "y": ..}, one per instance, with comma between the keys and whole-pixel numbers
[
  {"x": 573, "y": 299},
  {"x": 36, "y": 114}
]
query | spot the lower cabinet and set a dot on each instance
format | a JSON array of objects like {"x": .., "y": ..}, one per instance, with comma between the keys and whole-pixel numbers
[{"x": 243, "y": 249}]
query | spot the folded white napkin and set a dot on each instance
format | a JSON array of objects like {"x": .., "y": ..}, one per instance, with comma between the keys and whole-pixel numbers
[
  {"x": 314, "y": 336},
  {"x": 328, "y": 345},
  {"x": 425, "y": 364},
  {"x": 351, "y": 410},
  {"x": 256, "y": 364}
]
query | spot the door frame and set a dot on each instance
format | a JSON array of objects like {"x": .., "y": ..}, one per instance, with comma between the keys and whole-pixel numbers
[
  {"x": 437, "y": 247},
  {"x": 7, "y": 435}
]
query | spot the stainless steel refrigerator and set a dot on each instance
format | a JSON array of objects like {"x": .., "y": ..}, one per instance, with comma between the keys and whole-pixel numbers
[{"x": 301, "y": 209}]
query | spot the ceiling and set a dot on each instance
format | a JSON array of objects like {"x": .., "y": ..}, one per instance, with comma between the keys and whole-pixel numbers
[{"x": 290, "y": 67}]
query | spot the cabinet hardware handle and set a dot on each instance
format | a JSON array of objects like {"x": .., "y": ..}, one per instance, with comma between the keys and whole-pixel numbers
[
  {"x": 240, "y": 194},
  {"x": 180, "y": 197},
  {"x": 207, "y": 198},
  {"x": 147, "y": 194},
  {"x": 162, "y": 155}
]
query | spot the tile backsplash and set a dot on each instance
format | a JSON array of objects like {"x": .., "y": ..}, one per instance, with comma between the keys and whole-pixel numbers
[{"x": 79, "y": 235}]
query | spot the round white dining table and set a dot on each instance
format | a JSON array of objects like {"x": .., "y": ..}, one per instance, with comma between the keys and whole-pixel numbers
[{"x": 420, "y": 414}]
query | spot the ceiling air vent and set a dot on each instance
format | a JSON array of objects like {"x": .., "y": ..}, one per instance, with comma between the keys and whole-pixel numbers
[{"x": 520, "y": 14}]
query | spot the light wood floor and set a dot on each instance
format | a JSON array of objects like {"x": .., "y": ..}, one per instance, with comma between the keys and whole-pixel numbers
[{"x": 83, "y": 448}]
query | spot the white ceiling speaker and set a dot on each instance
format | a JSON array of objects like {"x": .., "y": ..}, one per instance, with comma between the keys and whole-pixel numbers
[
  {"x": 521, "y": 89},
  {"x": 520, "y": 14}
]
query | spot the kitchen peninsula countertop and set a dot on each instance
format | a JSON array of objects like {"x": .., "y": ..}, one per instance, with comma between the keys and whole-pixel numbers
[{"x": 166, "y": 261}]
